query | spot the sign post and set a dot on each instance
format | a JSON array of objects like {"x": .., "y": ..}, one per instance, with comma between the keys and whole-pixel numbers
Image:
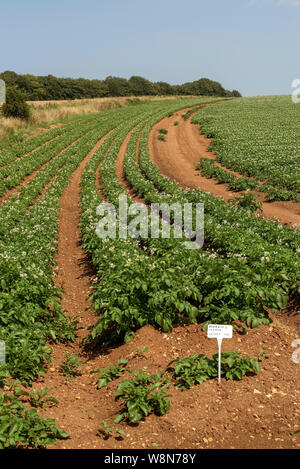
[{"x": 219, "y": 332}]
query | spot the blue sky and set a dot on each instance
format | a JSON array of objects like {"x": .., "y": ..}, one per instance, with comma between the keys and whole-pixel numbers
[{"x": 249, "y": 45}]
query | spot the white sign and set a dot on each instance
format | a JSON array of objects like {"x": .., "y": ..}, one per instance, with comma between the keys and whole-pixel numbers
[
  {"x": 220, "y": 332},
  {"x": 2, "y": 91}
]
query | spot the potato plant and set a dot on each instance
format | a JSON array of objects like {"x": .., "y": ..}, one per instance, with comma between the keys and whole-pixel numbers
[
  {"x": 142, "y": 395},
  {"x": 195, "y": 369}
]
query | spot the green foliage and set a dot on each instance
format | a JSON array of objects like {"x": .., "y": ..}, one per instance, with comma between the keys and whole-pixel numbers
[
  {"x": 109, "y": 431},
  {"x": 249, "y": 266},
  {"x": 141, "y": 86},
  {"x": 21, "y": 427},
  {"x": 142, "y": 395},
  {"x": 256, "y": 137},
  {"x": 262, "y": 355},
  {"x": 209, "y": 169},
  {"x": 70, "y": 366},
  {"x": 188, "y": 114},
  {"x": 141, "y": 352},
  {"x": 248, "y": 201},
  {"x": 162, "y": 138},
  {"x": 234, "y": 366},
  {"x": 52, "y": 88},
  {"x": 111, "y": 373},
  {"x": 162, "y": 133},
  {"x": 204, "y": 87},
  {"x": 277, "y": 193},
  {"x": 118, "y": 86},
  {"x": 163, "y": 88},
  {"x": 30, "y": 310},
  {"x": 176, "y": 123},
  {"x": 15, "y": 105},
  {"x": 236, "y": 94},
  {"x": 36, "y": 398},
  {"x": 195, "y": 369}
]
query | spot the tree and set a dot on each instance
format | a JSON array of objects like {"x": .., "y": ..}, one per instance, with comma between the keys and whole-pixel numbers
[
  {"x": 141, "y": 86},
  {"x": 164, "y": 88},
  {"x": 15, "y": 105},
  {"x": 118, "y": 86},
  {"x": 236, "y": 94},
  {"x": 50, "y": 87}
]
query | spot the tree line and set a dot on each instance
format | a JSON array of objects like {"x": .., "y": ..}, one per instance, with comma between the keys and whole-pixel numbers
[{"x": 40, "y": 88}]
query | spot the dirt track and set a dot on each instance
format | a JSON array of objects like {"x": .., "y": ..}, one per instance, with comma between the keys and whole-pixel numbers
[{"x": 178, "y": 157}]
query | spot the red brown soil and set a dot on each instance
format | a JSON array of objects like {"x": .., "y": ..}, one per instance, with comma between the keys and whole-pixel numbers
[
  {"x": 179, "y": 155},
  {"x": 258, "y": 412},
  {"x": 72, "y": 267}
]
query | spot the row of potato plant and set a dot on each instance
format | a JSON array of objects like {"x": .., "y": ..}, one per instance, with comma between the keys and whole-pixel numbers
[
  {"x": 235, "y": 183},
  {"x": 13, "y": 174}
]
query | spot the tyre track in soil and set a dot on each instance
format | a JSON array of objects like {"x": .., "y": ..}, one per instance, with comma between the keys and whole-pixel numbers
[
  {"x": 189, "y": 422},
  {"x": 179, "y": 155}
]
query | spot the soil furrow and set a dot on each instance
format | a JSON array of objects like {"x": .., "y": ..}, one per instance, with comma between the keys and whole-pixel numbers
[{"x": 74, "y": 274}]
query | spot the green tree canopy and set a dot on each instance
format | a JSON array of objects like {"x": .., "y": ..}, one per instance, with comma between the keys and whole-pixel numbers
[
  {"x": 15, "y": 105},
  {"x": 52, "y": 88}
]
